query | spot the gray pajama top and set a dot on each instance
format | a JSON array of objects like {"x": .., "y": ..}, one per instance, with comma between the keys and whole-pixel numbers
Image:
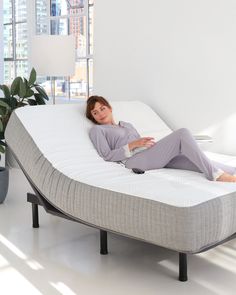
[{"x": 111, "y": 141}]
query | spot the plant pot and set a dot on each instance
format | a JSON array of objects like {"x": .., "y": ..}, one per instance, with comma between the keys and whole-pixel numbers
[{"x": 4, "y": 182}]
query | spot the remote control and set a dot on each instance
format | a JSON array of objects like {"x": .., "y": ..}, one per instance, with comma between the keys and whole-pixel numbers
[{"x": 138, "y": 171}]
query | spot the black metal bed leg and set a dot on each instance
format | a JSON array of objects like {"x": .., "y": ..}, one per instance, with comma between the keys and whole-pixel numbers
[
  {"x": 103, "y": 242},
  {"x": 183, "y": 277},
  {"x": 35, "y": 215}
]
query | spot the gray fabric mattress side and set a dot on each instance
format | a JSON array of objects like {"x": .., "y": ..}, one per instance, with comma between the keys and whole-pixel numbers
[{"x": 185, "y": 229}]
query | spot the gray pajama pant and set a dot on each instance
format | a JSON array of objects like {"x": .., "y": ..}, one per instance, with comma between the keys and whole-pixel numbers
[{"x": 178, "y": 150}]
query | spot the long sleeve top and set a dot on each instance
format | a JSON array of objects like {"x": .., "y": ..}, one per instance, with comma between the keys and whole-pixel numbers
[{"x": 111, "y": 141}]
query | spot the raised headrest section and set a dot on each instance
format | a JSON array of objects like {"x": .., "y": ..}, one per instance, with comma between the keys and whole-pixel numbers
[{"x": 58, "y": 118}]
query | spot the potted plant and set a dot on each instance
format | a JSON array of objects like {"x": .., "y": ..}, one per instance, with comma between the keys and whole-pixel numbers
[{"x": 22, "y": 92}]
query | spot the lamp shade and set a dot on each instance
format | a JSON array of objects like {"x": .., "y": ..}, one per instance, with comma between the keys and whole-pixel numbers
[{"x": 53, "y": 55}]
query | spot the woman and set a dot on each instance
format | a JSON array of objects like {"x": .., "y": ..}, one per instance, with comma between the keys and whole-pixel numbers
[{"x": 122, "y": 143}]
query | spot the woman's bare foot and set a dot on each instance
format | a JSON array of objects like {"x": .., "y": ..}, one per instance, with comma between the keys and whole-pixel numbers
[{"x": 225, "y": 177}]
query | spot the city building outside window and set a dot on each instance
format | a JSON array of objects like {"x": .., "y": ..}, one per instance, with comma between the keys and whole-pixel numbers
[
  {"x": 55, "y": 17},
  {"x": 15, "y": 39}
]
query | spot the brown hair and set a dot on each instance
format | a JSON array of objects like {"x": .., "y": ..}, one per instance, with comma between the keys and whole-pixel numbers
[{"x": 91, "y": 103}]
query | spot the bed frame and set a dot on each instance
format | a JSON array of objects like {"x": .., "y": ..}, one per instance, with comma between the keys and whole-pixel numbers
[{"x": 37, "y": 199}]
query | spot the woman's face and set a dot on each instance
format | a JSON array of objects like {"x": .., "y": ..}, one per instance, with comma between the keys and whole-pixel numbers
[{"x": 102, "y": 114}]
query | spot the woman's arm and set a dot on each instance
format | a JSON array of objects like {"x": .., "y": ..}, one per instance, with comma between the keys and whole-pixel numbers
[
  {"x": 99, "y": 141},
  {"x": 141, "y": 141}
]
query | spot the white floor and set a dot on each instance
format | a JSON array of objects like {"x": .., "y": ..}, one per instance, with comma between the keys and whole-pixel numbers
[{"x": 62, "y": 257}]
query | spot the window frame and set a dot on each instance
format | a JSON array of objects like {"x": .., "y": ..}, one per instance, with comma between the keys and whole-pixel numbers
[
  {"x": 47, "y": 20},
  {"x": 13, "y": 24},
  {"x": 31, "y": 23}
]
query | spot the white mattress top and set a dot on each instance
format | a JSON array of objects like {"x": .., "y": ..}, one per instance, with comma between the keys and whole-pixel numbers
[{"x": 61, "y": 133}]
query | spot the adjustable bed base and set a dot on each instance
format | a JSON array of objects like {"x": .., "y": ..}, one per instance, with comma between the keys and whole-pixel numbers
[
  {"x": 38, "y": 200},
  {"x": 176, "y": 209}
]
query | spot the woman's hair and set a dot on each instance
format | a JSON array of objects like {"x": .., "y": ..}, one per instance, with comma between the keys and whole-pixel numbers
[{"x": 91, "y": 104}]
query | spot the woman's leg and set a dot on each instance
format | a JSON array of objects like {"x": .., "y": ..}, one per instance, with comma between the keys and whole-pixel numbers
[
  {"x": 181, "y": 162},
  {"x": 179, "y": 142},
  {"x": 226, "y": 168}
]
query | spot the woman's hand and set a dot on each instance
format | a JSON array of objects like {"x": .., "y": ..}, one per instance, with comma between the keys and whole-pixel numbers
[{"x": 141, "y": 142}]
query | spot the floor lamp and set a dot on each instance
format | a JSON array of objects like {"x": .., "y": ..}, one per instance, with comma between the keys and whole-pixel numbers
[{"x": 53, "y": 55}]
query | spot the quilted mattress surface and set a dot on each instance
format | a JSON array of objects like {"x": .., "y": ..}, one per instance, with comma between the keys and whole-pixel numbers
[{"x": 176, "y": 209}]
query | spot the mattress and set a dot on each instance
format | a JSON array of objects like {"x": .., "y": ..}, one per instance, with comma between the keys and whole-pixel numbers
[{"x": 176, "y": 209}]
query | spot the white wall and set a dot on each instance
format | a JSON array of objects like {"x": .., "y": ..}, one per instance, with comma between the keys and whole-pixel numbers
[{"x": 177, "y": 56}]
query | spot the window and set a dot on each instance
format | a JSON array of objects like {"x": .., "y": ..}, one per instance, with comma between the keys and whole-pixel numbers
[
  {"x": 15, "y": 39},
  {"x": 63, "y": 17},
  {"x": 50, "y": 17}
]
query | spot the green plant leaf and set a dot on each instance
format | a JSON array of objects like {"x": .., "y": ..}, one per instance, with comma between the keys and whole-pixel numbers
[
  {"x": 29, "y": 92},
  {"x": 15, "y": 86},
  {"x": 22, "y": 91},
  {"x": 39, "y": 98},
  {"x": 2, "y": 149},
  {"x": 5, "y": 100},
  {"x": 32, "y": 77},
  {"x": 4, "y": 104},
  {"x": 42, "y": 92},
  {"x": 21, "y": 104},
  {"x": 13, "y": 103},
  {"x": 3, "y": 143},
  {"x": 1, "y": 126},
  {"x": 27, "y": 87},
  {"x": 5, "y": 90},
  {"x": 32, "y": 102},
  {"x": 2, "y": 111}
]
